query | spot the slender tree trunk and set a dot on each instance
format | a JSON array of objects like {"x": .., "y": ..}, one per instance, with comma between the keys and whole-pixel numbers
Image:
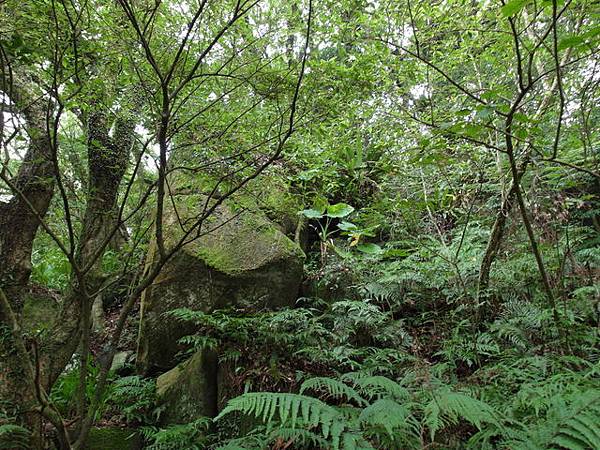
[
  {"x": 497, "y": 233},
  {"x": 497, "y": 236}
]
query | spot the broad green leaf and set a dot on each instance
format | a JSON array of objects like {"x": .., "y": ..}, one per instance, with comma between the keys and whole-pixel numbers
[
  {"x": 577, "y": 40},
  {"x": 312, "y": 213},
  {"x": 370, "y": 249},
  {"x": 484, "y": 112},
  {"x": 339, "y": 210},
  {"x": 513, "y": 7},
  {"x": 397, "y": 253},
  {"x": 572, "y": 41},
  {"x": 347, "y": 226}
]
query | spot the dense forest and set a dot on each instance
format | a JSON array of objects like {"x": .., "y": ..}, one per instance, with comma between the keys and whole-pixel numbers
[{"x": 303, "y": 224}]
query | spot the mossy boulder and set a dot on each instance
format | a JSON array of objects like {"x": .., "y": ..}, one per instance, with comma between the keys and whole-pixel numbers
[
  {"x": 114, "y": 438},
  {"x": 241, "y": 259},
  {"x": 272, "y": 195},
  {"x": 189, "y": 391}
]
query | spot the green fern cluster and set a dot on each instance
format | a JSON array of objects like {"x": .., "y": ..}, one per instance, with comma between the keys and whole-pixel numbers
[
  {"x": 286, "y": 329},
  {"x": 360, "y": 411},
  {"x": 571, "y": 422},
  {"x": 14, "y": 437},
  {"x": 134, "y": 398},
  {"x": 344, "y": 333},
  {"x": 191, "y": 436},
  {"x": 416, "y": 367}
]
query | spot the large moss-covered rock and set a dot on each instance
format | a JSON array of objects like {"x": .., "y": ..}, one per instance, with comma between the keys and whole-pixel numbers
[
  {"x": 189, "y": 391},
  {"x": 272, "y": 194},
  {"x": 113, "y": 438},
  {"x": 240, "y": 259}
]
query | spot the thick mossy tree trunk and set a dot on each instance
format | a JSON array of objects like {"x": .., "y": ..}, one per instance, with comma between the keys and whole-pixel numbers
[
  {"x": 33, "y": 188},
  {"x": 108, "y": 158}
]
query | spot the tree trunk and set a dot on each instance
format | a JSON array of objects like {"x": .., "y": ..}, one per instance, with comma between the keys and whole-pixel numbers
[
  {"x": 496, "y": 237},
  {"x": 33, "y": 188},
  {"x": 108, "y": 159}
]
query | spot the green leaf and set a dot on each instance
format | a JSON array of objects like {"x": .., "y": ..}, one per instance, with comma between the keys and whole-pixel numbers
[
  {"x": 397, "y": 253},
  {"x": 572, "y": 41},
  {"x": 339, "y": 210},
  {"x": 569, "y": 442},
  {"x": 308, "y": 175},
  {"x": 513, "y": 7},
  {"x": 370, "y": 249},
  {"x": 312, "y": 213},
  {"x": 484, "y": 112},
  {"x": 347, "y": 226},
  {"x": 386, "y": 413},
  {"x": 577, "y": 40}
]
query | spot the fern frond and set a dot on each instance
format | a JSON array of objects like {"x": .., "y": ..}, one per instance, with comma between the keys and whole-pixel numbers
[
  {"x": 376, "y": 386},
  {"x": 199, "y": 342},
  {"x": 447, "y": 408},
  {"x": 291, "y": 407},
  {"x": 355, "y": 441},
  {"x": 572, "y": 422},
  {"x": 335, "y": 388},
  {"x": 250, "y": 442},
  {"x": 14, "y": 437},
  {"x": 188, "y": 435},
  {"x": 387, "y": 414},
  {"x": 299, "y": 436}
]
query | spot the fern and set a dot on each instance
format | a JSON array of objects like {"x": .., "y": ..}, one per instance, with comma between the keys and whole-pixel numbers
[
  {"x": 199, "y": 342},
  {"x": 520, "y": 322},
  {"x": 388, "y": 291},
  {"x": 290, "y": 408},
  {"x": 447, "y": 408},
  {"x": 135, "y": 398},
  {"x": 189, "y": 436},
  {"x": 355, "y": 441},
  {"x": 590, "y": 256},
  {"x": 299, "y": 436},
  {"x": 335, "y": 388},
  {"x": 466, "y": 347},
  {"x": 257, "y": 439},
  {"x": 387, "y": 361},
  {"x": 387, "y": 414},
  {"x": 571, "y": 423},
  {"x": 376, "y": 386},
  {"x": 307, "y": 420},
  {"x": 14, "y": 437}
]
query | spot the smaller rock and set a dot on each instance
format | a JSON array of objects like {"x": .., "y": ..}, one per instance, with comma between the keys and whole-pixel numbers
[
  {"x": 121, "y": 360},
  {"x": 189, "y": 391}
]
